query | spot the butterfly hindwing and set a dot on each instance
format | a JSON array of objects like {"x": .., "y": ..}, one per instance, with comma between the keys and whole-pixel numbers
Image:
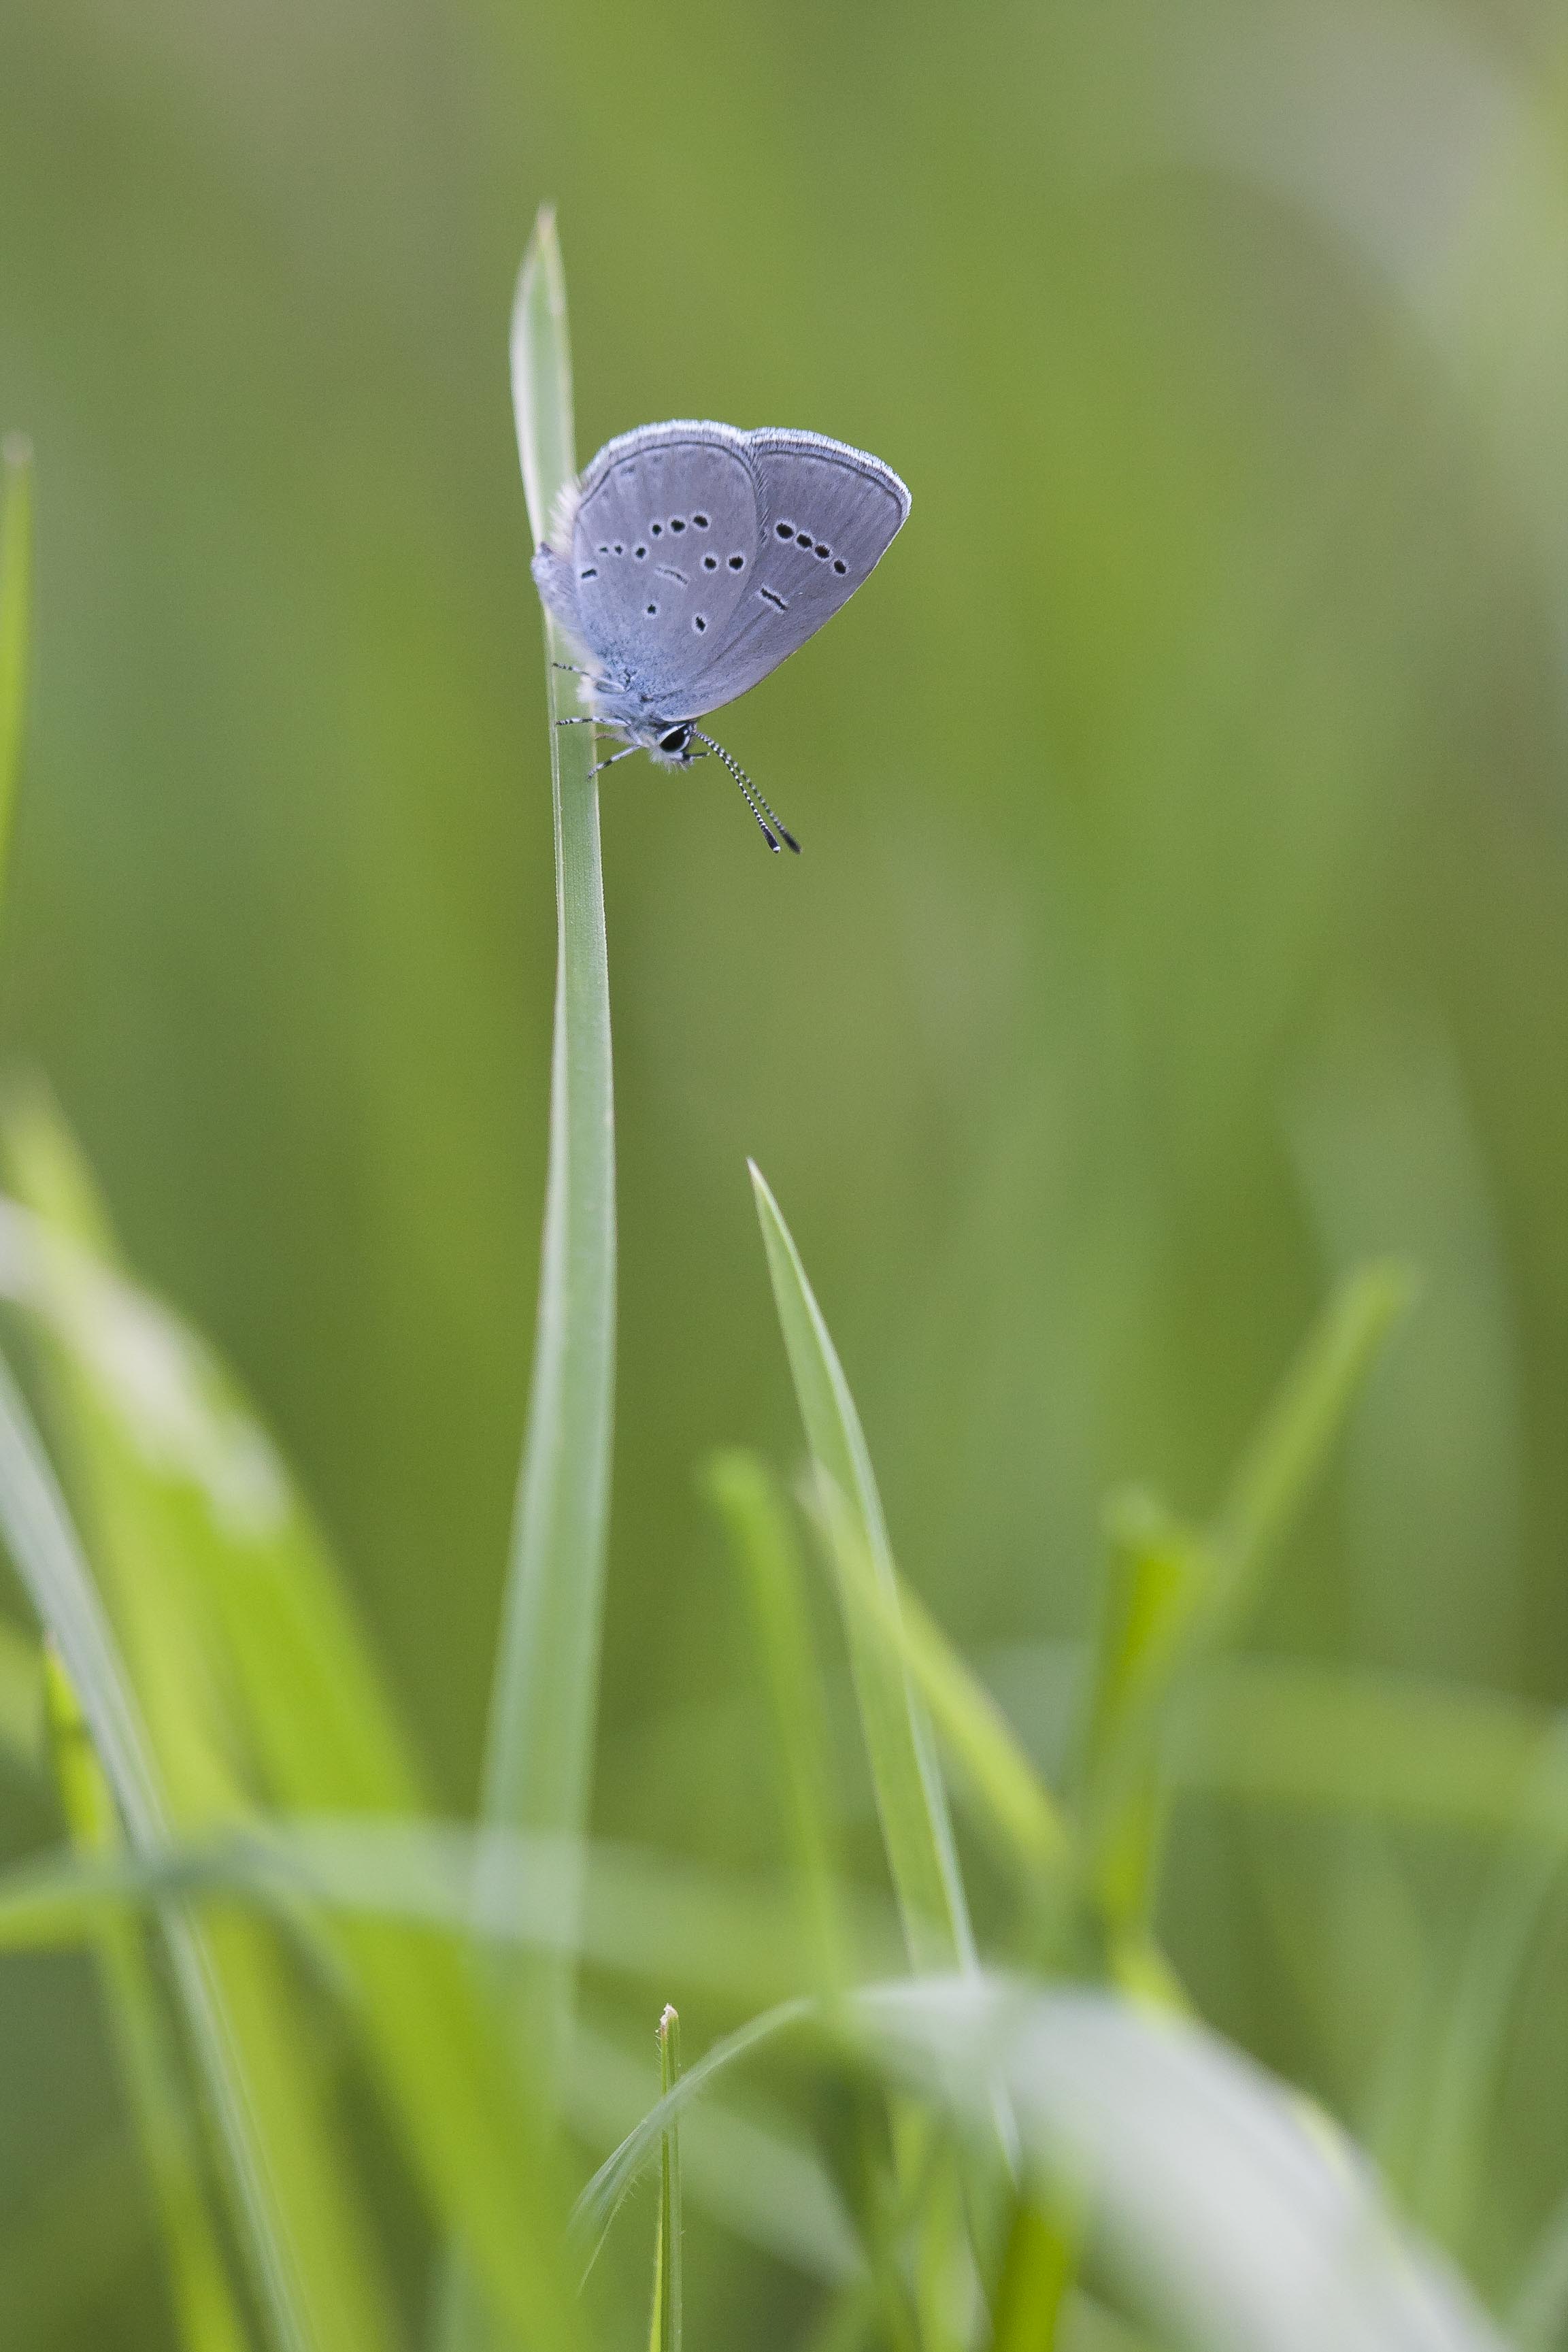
[
  {"x": 826, "y": 514},
  {"x": 663, "y": 546}
]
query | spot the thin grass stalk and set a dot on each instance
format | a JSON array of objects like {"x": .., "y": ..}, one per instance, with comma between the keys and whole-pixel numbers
[
  {"x": 665, "y": 2329},
  {"x": 541, "y": 1745}
]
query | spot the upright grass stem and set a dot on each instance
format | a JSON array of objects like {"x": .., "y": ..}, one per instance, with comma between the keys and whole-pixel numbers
[{"x": 539, "y": 1755}]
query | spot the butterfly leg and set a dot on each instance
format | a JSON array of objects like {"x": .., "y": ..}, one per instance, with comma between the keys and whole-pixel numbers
[
  {"x": 599, "y": 764},
  {"x": 577, "y": 671}
]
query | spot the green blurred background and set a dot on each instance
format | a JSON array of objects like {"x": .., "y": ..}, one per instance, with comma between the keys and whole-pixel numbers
[{"x": 1185, "y": 904}]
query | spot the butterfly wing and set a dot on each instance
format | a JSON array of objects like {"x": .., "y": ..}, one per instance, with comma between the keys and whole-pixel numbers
[
  {"x": 664, "y": 544},
  {"x": 826, "y": 516}
]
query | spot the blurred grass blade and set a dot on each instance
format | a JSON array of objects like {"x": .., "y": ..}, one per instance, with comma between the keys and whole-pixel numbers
[
  {"x": 1010, "y": 1801},
  {"x": 1286, "y": 1457},
  {"x": 1458, "y": 2086},
  {"x": 15, "y": 589},
  {"x": 1216, "y": 2212},
  {"x": 206, "y": 2314},
  {"x": 1383, "y": 1747},
  {"x": 48, "y": 1559},
  {"x": 642, "y": 1915},
  {"x": 1173, "y": 1596},
  {"x": 911, "y": 1803},
  {"x": 762, "y": 1540},
  {"x": 224, "y": 1587},
  {"x": 1037, "y": 2271},
  {"x": 542, "y": 1710},
  {"x": 1157, "y": 1578},
  {"x": 665, "y": 2329}
]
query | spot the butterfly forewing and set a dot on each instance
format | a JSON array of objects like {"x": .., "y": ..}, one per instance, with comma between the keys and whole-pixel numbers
[
  {"x": 826, "y": 514},
  {"x": 663, "y": 548}
]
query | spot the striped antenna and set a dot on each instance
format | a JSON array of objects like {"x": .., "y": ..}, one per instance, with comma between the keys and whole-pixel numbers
[{"x": 754, "y": 800}]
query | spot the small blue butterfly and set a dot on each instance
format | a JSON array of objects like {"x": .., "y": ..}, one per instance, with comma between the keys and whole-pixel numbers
[{"x": 690, "y": 560}]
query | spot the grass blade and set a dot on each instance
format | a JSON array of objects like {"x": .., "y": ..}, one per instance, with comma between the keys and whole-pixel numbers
[
  {"x": 206, "y": 2311},
  {"x": 15, "y": 582},
  {"x": 762, "y": 1540},
  {"x": 1040, "y": 2265},
  {"x": 542, "y": 1709},
  {"x": 1010, "y": 1799},
  {"x": 913, "y": 1808},
  {"x": 49, "y": 1560}
]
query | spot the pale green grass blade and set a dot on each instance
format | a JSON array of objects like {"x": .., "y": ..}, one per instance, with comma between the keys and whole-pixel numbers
[
  {"x": 1383, "y": 1746},
  {"x": 49, "y": 1558},
  {"x": 762, "y": 1541},
  {"x": 542, "y": 1710},
  {"x": 205, "y": 2310},
  {"x": 644, "y": 1916},
  {"x": 911, "y": 1802},
  {"x": 16, "y": 582},
  {"x": 200, "y": 1517},
  {"x": 665, "y": 2329},
  {"x": 1010, "y": 1801},
  {"x": 1217, "y": 2212}
]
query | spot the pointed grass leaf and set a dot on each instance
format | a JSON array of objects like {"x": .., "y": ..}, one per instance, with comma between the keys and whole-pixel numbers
[
  {"x": 544, "y": 1696},
  {"x": 911, "y": 1803}
]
